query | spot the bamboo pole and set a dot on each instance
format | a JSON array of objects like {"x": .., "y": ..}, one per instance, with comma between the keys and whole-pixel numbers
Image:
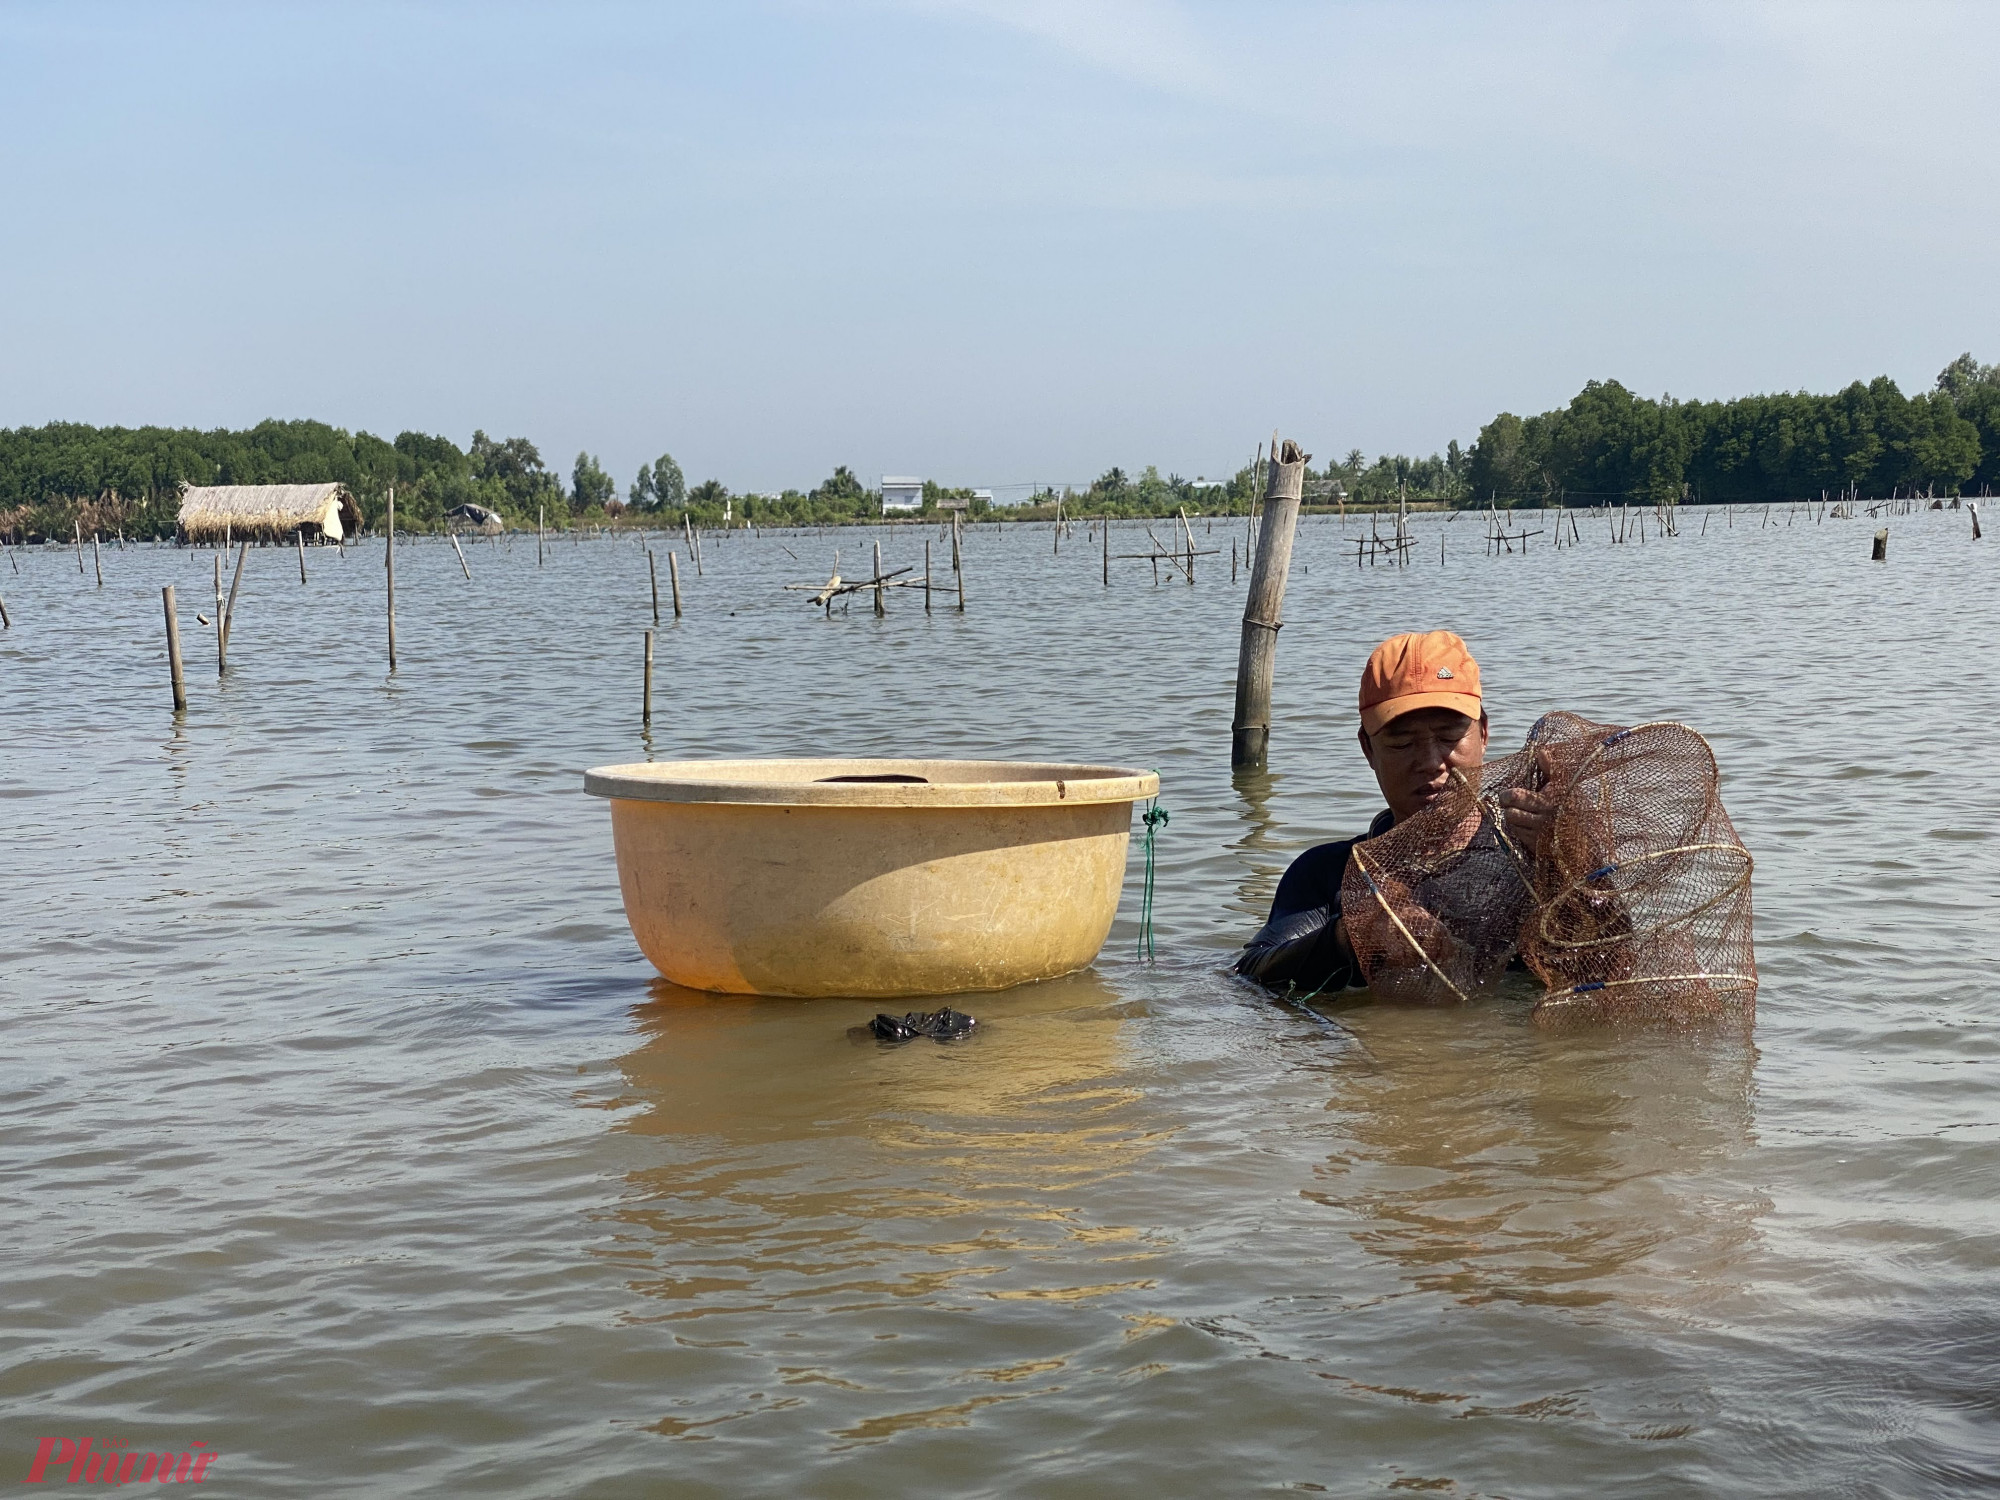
[
  {"x": 221, "y": 647},
  {"x": 461, "y": 557},
  {"x": 300, "y": 534},
  {"x": 653, "y": 575},
  {"x": 235, "y": 583},
  {"x": 1107, "y": 551},
  {"x": 674, "y": 576},
  {"x": 389, "y": 562},
  {"x": 646, "y": 712},
  {"x": 879, "y": 610},
  {"x": 7, "y": 624},
  {"x": 173, "y": 649},
  {"x": 539, "y": 549},
  {"x": 927, "y": 576},
  {"x": 1263, "y": 608},
  {"x": 77, "y": 528}
]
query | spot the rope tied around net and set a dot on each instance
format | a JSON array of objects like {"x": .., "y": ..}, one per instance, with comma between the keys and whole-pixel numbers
[{"x": 1155, "y": 818}]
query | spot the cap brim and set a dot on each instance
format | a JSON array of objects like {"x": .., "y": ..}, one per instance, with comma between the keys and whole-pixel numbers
[{"x": 1372, "y": 719}]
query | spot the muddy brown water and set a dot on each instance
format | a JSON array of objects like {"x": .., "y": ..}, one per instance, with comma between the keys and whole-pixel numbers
[{"x": 347, "y": 1132}]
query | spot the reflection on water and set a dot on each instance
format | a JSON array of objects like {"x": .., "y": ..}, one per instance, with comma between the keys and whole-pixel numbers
[{"x": 1490, "y": 1159}]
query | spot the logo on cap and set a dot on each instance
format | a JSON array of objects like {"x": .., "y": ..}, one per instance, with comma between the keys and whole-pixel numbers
[{"x": 1444, "y": 671}]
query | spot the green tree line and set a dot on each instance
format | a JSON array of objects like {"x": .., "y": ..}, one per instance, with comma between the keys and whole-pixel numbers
[
  {"x": 1609, "y": 446},
  {"x": 1606, "y": 446}
]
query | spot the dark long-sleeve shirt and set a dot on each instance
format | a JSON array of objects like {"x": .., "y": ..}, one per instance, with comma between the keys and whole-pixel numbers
[{"x": 1297, "y": 948}]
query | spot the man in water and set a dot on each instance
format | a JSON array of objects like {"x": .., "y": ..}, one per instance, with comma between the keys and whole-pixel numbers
[{"x": 1421, "y": 720}]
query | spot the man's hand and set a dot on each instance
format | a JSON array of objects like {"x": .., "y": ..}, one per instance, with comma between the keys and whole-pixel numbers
[{"x": 1530, "y": 815}]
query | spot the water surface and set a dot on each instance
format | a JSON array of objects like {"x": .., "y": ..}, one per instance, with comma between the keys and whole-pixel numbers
[{"x": 343, "y": 1127}]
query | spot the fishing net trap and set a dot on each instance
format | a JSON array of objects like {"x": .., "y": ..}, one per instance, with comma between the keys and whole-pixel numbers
[{"x": 1635, "y": 906}]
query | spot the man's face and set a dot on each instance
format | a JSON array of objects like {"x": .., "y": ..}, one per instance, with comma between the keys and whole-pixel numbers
[{"x": 1415, "y": 753}]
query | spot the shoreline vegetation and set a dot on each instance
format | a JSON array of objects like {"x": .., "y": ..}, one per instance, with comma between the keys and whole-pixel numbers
[{"x": 1607, "y": 447}]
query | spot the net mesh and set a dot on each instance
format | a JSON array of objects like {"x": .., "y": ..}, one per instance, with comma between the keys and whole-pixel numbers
[{"x": 1635, "y": 907}]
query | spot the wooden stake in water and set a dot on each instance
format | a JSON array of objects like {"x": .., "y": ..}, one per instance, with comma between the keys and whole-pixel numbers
[
  {"x": 235, "y": 583},
  {"x": 927, "y": 577},
  {"x": 1106, "y": 526},
  {"x": 879, "y": 611},
  {"x": 173, "y": 650},
  {"x": 674, "y": 577},
  {"x": 77, "y": 528},
  {"x": 461, "y": 557},
  {"x": 301, "y": 535},
  {"x": 653, "y": 573},
  {"x": 221, "y": 647},
  {"x": 540, "y": 515},
  {"x": 5, "y": 623},
  {"x": 97, "y": 559},
  {"x": 1263, "y": 609},
  {"x": 646, "y": 712},
  {"x": 1881, "y": 552},
  {"x": 389, "y": 562}
]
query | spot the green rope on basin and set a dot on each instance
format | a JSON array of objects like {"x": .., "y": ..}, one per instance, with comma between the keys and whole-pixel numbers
[{"x": 1155, "y": 818}]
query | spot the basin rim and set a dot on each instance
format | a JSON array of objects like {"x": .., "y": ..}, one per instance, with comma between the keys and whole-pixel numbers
[{"x": 800, "y": 783}]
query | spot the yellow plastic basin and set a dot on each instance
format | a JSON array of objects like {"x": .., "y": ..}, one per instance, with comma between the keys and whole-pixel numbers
[{"x": 879, "y": 878}]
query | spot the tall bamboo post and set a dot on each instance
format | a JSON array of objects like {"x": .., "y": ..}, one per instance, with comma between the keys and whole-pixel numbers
[
  {"x": 927, "y": 576},
  {"x": 674, "y": 576},
  {"x": 653, "y": 573},
  {"x": 1263, "y": 608},
  {"x": 77, "y": 528},
  {"x": 1107, "y": 551},
  {"x": 878, "y": 581},
  {"x": 539, "y": 549},
  {"x": 646, "y": 711},
  {"x": 97, "y": 559},
  {"x": 221, "y": 646},
  {"x": 7, "y": 624},
  {"x": 463, "y": 567},
  {"x": 235, "y": 583},
  {"x": 389, "y": 562},
  {"x": 173, "y": 650},
  {"x": 300, "y": 534}
]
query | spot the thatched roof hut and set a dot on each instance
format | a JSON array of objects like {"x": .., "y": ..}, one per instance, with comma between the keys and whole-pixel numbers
[{"x": 268, "y": 512}]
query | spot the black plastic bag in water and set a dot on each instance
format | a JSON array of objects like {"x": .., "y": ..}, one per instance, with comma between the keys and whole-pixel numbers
[{"x": 945, "y": 1025}]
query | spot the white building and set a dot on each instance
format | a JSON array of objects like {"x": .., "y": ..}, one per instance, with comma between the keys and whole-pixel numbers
[{"x": 899, "y": 492}]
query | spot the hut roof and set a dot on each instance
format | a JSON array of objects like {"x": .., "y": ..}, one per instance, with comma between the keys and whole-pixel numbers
[{"x": 268, "y": 510}]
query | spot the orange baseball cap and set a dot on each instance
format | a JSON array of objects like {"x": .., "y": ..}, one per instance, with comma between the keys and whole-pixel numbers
[{"x": 1408, "y": 672}]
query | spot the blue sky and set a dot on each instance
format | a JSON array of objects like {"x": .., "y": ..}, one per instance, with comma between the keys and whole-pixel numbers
[{"x": 1000, "y": 241}]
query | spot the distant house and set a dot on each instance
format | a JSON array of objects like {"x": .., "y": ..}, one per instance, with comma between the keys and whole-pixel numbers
[
  {"x": 901, "y": 493},
  {"x": 267, "y": 512}
]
